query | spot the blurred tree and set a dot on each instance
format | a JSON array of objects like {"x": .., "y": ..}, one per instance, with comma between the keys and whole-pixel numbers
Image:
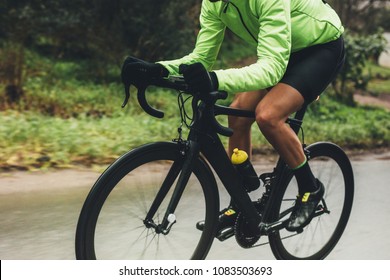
[
  {"x": 101, "y": 33},
  {"x": 154, "y": 29},
  {"x": 359, "y": 50},
  {"x": 160, "y": 29},
  {"x": 365, "y": 21},
  {"x": 363, "y": 15}
]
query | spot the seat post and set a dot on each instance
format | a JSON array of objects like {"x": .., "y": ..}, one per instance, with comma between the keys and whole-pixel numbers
[
  {"x": 301, "y": 113},
  {"x": 296, "y": 122}
]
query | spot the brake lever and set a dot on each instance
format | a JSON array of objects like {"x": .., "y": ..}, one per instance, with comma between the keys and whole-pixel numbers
[
  {"x": 220, "y": 129},
  {"x": 127, "y": 96},
  {"x": 209, "y": 101}
]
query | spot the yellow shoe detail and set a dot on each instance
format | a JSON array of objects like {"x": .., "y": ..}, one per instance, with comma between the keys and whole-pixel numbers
[
  {"x": 305, "y": 197},
  {"x": 230, "y": 212}
]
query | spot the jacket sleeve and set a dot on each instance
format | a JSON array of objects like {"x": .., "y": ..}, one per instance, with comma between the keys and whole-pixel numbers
[
  {"x": 273, "y": 51},
  {"x": 207, "y": 45}
]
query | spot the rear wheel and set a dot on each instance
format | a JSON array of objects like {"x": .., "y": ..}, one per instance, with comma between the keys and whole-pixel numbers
[
  {"x": 113, "y": 224},
  {"x": 333, "y": 168}
]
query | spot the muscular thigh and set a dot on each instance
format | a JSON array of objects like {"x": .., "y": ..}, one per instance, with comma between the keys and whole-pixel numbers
[
  {"x": 312, "y": 69},
  {"x": 245, "y": 101},
  {"x": 279, "y": 103},
  {"x": 308, "y": 73},
  {"x": 248, "y": 100}
]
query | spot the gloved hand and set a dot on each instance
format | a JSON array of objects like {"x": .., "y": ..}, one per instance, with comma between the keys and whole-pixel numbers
[
  {"x": 198, "y": 78},
  {"x": 138, "y": 72}
]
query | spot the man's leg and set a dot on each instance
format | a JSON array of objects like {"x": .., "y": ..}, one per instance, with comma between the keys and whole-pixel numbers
[
  {"x": 241, "y": 137},
  {"x": 271, "y": 114}
]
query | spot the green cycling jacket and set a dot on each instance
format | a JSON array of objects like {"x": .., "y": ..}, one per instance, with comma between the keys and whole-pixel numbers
[{"x": 274, "y": 27}]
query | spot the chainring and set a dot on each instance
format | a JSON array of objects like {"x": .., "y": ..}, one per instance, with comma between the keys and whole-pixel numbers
[{"x": 245, "y": 237}]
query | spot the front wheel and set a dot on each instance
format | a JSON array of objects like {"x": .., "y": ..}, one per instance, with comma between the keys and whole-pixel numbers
[
  {"x": 122, "y": 215},
  {"x": 333, "y": 168}
]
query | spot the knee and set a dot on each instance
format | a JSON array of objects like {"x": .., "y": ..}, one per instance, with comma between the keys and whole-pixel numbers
[{"x": 267, "y": 120}]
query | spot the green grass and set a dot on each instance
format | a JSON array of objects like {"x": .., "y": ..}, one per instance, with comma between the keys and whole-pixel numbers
[
  {"x": 352, "y": 127},
  {"x": 380, "y": 82},
  {"x": 33, "y": 140}
]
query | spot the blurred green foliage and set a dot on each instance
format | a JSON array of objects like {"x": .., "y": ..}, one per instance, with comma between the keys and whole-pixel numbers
[{"x": 360, "y": 50}]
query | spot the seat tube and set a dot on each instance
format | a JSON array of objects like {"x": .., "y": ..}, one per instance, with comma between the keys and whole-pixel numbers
[{"x": 215, "y": 153}]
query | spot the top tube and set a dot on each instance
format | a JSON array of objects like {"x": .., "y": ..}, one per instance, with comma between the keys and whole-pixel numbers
[{"x": 178, "y": 83}]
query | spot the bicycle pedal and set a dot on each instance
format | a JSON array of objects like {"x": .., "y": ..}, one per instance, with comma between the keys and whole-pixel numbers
[{"x": 225, "y": 234}]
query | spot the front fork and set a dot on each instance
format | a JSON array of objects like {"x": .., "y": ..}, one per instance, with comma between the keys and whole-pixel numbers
[{"x": 189, "y": 152}]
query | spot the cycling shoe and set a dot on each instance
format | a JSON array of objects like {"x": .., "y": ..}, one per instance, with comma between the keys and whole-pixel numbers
[{"x": 305, "y": 207}]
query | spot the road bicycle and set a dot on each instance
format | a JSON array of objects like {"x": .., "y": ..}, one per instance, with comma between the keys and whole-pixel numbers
[{"x": 147, "y": 203}]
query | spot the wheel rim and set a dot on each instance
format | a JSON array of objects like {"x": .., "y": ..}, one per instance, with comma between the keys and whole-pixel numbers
[
  {"x": 322, "y": 234},
  {"x": 110, "y": 227},
  {"x": 120, "y": 231}
]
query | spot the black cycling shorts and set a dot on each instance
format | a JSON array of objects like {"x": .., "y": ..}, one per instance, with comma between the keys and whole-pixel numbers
[{"x": 312, "y": 69}]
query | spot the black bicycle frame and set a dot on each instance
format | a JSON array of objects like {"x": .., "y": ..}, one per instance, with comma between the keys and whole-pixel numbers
[
  {"x": 204, "y": 139},
  {"x": 211, "y": 147}
]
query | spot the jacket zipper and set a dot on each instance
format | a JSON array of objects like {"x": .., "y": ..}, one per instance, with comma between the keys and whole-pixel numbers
[{"x": 241, "y": 18}]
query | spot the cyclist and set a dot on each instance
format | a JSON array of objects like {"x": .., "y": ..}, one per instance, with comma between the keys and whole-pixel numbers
[{"x": 300, "y": 50}]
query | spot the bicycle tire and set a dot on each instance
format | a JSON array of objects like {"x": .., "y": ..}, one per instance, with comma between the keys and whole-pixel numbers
[
  {"x": 110, "y": 228},
  {"x": 332, "y": 167}
]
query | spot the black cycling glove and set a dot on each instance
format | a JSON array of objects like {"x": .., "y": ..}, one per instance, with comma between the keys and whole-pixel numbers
[
  {"x": 198, "y": 78},
  {"x": 138, "y": 72}
]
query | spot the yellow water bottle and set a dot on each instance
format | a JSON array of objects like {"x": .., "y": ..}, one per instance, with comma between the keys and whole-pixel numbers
[{"x": 244, "y": 167}]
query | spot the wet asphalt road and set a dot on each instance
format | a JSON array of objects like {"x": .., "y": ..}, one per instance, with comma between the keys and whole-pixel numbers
[{"x": 39, "y": 216}]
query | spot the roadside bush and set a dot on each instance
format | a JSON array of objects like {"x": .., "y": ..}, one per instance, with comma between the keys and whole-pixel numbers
[{"x": 359, "y": 50}]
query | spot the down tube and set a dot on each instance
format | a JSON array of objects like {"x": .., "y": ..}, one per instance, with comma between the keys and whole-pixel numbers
[{"x": 214, "y": 151}]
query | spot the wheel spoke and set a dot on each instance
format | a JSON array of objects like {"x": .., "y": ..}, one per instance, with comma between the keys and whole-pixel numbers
[
  {"x": 111, "y": 225},
  {"x": 330, "y": 165}
]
